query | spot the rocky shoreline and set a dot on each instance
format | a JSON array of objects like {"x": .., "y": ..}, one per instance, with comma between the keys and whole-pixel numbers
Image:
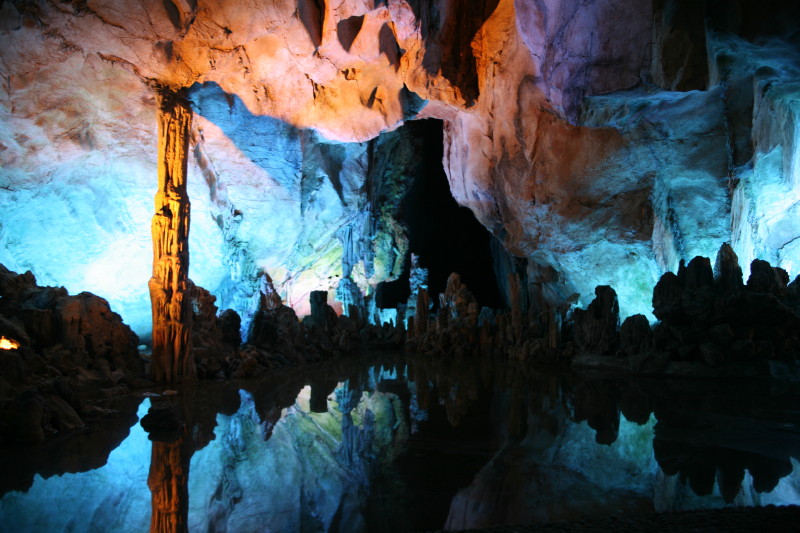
[
  {"x": 73, "y": 351},
  {"x": 729, "y": 520},
  {"x": 711, "y": 324}
]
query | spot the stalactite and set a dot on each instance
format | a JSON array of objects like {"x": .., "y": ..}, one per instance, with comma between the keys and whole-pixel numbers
[
  {"x": 170, "y": 287},
  {"x": 168, "y": 481}
]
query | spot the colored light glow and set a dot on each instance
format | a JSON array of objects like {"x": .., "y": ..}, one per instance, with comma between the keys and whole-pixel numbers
[
  {"x": 764, "y": 209},
  {"x": 8, "y": 344}
]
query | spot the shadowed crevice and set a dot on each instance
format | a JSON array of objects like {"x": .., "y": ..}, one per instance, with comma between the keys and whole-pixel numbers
[{"x": 347, "y": 30}]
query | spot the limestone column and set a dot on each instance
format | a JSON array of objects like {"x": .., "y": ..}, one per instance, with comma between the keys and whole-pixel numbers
[{"x": 170, "y": 287}]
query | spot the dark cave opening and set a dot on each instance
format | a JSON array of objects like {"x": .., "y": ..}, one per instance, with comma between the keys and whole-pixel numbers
[{"x": 446, "y": 236}]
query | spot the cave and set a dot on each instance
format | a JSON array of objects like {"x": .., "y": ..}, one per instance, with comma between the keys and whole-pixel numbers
[
  {"x": 399, "y": 265},
  {"x": 444, "y": 236}
]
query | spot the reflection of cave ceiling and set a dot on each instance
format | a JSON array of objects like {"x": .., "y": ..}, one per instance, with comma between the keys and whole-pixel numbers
[{"x": 602, "y": 141}]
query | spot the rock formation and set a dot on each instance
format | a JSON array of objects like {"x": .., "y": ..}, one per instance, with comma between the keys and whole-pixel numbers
[
  {"x": 707, "y": 320},
  {"x": 215, "y": 337},
  {"x": 170, "y": 287},
  {"x": 277, "y": 337},
  {"x": 631, "y": 133},
  {"x": 596, "y": 328},
  {"x": 67, "y": 345}
]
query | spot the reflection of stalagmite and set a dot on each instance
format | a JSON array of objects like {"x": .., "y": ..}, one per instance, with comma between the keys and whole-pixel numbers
[
  {"x": 169, "y": 486},
  {"x": 170, "y": 287},
  {"x": 167, "y": 422}
]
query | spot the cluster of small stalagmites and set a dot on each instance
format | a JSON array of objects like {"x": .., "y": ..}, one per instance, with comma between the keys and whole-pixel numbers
[
  {"x": 385, "y": 336},
  {"x": 277, "y": 338},
  {"x": 460, "y": 327},
  {"x": 454, "y": 328},
  {"x": 705, "y": 316},
  {"x": 66, "y": 345}
]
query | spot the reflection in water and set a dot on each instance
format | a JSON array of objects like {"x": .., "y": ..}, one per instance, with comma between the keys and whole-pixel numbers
[
  {"x": 424, "y": 443},
  {"x": 313, "y": 473},
  {"x": 169, "y": 486},
  {"x": 112, "y": 497}
]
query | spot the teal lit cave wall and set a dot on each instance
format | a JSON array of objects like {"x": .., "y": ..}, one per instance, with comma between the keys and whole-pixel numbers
[{"x": 265, "y": 197}]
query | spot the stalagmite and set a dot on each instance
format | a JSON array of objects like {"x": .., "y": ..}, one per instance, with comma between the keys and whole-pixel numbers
[
  {"x": 421, "y": 316},
  {"x": 170, "y": 287}
]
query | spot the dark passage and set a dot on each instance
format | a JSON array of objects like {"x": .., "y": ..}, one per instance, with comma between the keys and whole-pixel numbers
[{"x": 445, "y": 235}]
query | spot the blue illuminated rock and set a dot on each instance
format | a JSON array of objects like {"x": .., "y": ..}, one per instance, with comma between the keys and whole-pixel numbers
[{"x": 602, "y": 142}]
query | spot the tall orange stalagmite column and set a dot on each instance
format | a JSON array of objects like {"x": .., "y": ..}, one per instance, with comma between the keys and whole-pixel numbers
[{"x": 170, "y": 287}]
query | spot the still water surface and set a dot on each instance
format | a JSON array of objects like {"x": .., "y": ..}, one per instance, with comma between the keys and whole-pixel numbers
[{"x": 395, "y": 444}]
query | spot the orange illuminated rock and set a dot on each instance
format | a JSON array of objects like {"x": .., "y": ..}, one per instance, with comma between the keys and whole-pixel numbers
[
  {"x": 567, "y": 129},
  {"x": 170, "y": 287},
  {"x": 168, "y": 481},
  {"x": 8, "y": 344}
]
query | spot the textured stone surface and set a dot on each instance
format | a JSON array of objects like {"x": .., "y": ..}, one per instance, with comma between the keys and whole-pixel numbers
[
  {"x": 67, "y": 344},
  {"x": 171, "y": 290},
  {"x": 604, "y": 142}
]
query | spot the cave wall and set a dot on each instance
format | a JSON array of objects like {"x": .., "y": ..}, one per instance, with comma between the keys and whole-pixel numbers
[
  {"x": 605, "y": 157},
  {"x": 604, "y": 142}
]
